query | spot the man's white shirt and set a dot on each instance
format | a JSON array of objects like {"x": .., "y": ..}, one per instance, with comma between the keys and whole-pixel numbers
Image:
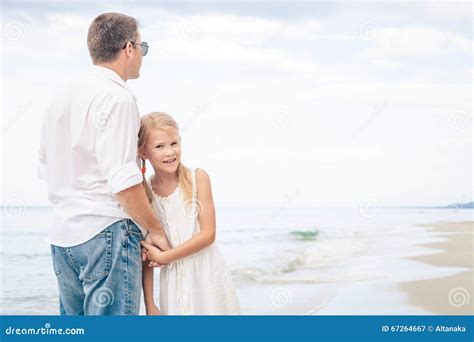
[{"x": 88, "y": 153}]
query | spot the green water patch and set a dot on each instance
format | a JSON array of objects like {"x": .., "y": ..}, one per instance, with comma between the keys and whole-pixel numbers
[{"x": 305, "y": 235}]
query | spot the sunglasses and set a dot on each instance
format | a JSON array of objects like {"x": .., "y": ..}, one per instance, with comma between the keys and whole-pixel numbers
[{"x": 144, "y": 46}]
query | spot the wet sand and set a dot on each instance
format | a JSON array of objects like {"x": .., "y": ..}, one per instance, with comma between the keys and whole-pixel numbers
[{"x": 452, "y": 295}]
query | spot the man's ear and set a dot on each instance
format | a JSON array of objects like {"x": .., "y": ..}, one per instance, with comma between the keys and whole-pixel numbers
[{"x": 129, "y": 50}]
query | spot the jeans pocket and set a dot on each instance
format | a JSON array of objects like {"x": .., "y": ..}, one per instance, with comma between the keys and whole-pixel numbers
[
  {"x": 133, "y": 229},
  {"x": 55, "y": 261},
  {"x": 98, "y": 254}
]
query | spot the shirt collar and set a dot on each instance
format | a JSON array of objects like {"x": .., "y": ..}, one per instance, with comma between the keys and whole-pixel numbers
[{"x": 111, "y": 75}]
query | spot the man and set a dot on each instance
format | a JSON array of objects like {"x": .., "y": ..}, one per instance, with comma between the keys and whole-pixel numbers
[{"x": 88, "y": 158}]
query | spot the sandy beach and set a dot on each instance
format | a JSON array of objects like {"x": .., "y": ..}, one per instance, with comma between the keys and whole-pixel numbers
[{"x": 451, "y": 295}]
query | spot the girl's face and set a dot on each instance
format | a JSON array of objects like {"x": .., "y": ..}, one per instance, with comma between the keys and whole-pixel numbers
[{"x": 163, "y": 149}]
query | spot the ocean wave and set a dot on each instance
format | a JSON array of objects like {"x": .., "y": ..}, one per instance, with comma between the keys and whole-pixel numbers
[
  {"x": 248, "y": 274},
  {"x": 257, "y": 274},
  {"x": 300, "y": 263},
  {"x": 260, "y": 276},
  {"x": 305, "y": 235},
  {"x": 294, "y": 264}
]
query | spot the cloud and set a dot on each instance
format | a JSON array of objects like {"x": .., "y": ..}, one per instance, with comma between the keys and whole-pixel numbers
[
  {"x": 334, "y": 154},
  {"x": 402, "y": 93},
  {"x": 282, "y": 93},
  {"x": 408, "y": 42},
  {"x": 213, "y": 38},
  {"x": 58, "y": 36}
]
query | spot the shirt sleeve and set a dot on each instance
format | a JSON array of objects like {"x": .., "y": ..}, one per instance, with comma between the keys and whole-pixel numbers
[
  {"x": 116, "y": 145},
  {"x": 41, "y": 168}
]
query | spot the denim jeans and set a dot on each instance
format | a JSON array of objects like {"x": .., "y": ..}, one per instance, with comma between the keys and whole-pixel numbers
[{"x": 102, "y": 276}]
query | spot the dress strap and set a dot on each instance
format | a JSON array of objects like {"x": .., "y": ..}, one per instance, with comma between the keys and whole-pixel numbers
[
  {"x": 196, "y": 206},
  {"x": 193, "y": 177}
]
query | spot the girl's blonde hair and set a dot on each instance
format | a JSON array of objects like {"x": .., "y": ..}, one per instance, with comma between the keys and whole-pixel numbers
[{"x": 159, "y": 120}]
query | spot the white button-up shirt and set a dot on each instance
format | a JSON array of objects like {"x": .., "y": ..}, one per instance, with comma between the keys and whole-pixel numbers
[{"x": 88, "y": 153}]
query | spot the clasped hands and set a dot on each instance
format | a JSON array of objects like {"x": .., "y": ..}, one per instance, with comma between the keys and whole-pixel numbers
[{"x": 154, "y": 249}]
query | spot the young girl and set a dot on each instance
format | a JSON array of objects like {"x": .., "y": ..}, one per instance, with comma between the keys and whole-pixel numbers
[{"x": 194, "y": 279}]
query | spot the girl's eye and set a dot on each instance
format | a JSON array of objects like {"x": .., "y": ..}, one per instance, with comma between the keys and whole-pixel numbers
[
  {"x": 159, "y": 146},
  {"x": 174, "y": 143}
]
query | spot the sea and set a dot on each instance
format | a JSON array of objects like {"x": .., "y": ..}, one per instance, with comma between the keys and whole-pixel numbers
[{"x": 295, "y": 261}]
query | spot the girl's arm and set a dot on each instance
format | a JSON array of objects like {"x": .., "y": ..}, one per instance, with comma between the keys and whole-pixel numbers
[
  {"x": 147, "y": 279},
  {"x": 207, "y": 221}
]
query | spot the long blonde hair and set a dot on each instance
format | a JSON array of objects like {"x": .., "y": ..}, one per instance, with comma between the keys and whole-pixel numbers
[{"x": 164, "y": 121}]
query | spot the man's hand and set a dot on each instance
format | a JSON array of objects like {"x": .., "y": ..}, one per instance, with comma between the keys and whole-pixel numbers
[
  {"x": 155, "y": 255},
  {"x": 158, "y": 240}
]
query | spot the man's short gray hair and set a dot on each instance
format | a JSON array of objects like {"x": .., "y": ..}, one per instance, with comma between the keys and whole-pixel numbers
[{"x": 108, "y": 34}]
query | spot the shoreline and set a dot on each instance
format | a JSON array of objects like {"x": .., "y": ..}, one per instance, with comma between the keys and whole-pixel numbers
[{"x": 450, "y": 295}]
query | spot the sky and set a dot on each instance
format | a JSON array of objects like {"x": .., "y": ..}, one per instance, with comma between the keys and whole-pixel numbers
[{"x": 302, "y": 104}]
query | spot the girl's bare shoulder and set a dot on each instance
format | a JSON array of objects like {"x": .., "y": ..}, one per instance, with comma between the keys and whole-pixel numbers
[{"x": 203, "y": 181}]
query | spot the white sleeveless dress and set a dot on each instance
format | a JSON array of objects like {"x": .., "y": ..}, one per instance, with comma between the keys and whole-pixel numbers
[{"x": 201, "y": 283}]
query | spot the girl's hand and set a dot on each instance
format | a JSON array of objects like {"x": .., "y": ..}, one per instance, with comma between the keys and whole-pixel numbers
[
  {"x": 154, "y": 255},
  {"x": 159, "y": 240},
  {"x": 154, "y": 264},
  {"x": 152, "y": 310}
]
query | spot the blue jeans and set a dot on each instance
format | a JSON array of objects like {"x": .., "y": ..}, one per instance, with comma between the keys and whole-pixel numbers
[{"x": 102, "y": 276}]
